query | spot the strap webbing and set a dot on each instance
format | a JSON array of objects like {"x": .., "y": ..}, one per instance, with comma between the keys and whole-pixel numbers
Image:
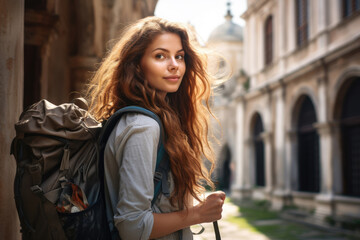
[
  {"x": 162, "y": 164},
  {"x": 161, "y": 160}
]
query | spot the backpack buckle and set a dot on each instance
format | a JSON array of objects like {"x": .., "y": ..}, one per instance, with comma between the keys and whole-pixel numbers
[
  {"x": 35, "y": 173},
  {"x": 158, "y": 176},
  {"x": 36, "y": 189},
  {"x": 34, "y": 168}
]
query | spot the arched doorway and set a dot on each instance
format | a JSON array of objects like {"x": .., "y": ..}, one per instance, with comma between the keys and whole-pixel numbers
[
  {"x": 225, "y": 171},
  {"x": 350, "y": 139},
  {"x": 259, "y": 151},
  {"x": 308, "y": 148}
]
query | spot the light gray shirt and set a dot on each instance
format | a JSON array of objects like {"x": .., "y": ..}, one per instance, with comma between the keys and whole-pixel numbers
[{"x": 130, "y": 160}]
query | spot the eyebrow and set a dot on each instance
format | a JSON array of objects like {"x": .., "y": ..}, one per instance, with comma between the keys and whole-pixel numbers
[{"x": 165, "y": 50}]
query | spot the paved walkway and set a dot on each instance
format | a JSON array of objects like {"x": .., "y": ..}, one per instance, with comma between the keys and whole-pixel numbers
[{"x": 230, "y": 231}]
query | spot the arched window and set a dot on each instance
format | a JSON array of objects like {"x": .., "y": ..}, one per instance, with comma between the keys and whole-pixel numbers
[
  {"x": 350, "y": 133},
  {"x": 302, "y": 21},
  {"x": 259, "y": 152},
  {"x": 349, "y": 7},
  {"x": 268, "y": 40},
  {"x": 308, "y": 149}
]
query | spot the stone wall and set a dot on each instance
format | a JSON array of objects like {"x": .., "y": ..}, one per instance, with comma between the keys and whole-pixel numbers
[
  {"x": 62, "y": 41},
  {"x": 11, "y": 96}
]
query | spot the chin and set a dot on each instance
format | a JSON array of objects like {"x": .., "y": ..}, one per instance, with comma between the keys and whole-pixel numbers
[{"x": 173, "y": 90}]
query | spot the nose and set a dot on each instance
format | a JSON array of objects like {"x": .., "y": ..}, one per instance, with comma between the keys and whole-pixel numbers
[{"x": 173, "y": 64}]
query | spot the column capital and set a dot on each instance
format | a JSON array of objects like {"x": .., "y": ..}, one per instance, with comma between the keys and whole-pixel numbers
[
  {"x": 266, "y": 136},
  {"x": 325, "y": 128}
]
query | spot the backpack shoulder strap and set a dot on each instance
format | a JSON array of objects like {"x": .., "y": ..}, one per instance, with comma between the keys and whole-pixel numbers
[
  {"x": 112, "y": 121},
  {"x": 162, "y": 161}
]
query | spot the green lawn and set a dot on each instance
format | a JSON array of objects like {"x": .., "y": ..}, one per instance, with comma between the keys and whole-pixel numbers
[{"x": 256, "y": 217}]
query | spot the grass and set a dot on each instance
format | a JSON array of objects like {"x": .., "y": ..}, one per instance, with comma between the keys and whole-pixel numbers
[
  {"x": 286, "y": 231},
  {"x": 251, "y": 212}
]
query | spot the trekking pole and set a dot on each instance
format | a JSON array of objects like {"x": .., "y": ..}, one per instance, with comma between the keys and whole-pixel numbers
[{"x": 217, "y": 232}]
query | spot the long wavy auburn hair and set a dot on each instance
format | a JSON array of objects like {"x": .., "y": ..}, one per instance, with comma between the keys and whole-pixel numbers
[{"x": 120, "y": 82}]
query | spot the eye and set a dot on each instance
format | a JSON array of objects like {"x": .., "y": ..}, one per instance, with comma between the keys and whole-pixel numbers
[
  {"x": 159, "y": 56},
  {"x": 180, "y": 57}
]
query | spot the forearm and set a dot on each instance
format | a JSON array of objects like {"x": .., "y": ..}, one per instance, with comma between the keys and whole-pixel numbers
[
  {"x": 207, "y": 211},
  {"x": 166, "y": 223}
]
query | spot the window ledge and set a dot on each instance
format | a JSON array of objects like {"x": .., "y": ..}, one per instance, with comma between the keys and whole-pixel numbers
[{"x": 347, "y": 199}]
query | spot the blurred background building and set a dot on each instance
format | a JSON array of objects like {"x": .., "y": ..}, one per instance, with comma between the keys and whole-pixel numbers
[
  {"x": 48, "y": 49},
  {"x": 291, "y": 112},
  {"x": 227, "y": 41}
]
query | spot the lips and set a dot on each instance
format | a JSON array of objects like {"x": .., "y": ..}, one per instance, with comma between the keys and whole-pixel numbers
[{"x": 173, "y": 78}]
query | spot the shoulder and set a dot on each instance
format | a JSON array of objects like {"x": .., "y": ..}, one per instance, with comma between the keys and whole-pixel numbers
[
  {"x": 139, "y": 120},
  {"x": 138, "y": 124}
]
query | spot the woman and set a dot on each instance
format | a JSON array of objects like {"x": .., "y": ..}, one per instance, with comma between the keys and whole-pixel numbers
[{"x": 154, "y": 65}]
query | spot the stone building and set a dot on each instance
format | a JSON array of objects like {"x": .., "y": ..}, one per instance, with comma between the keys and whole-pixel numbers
[
  {"x": 48, "y": 49},
  {"x": 297, "y": 119}
]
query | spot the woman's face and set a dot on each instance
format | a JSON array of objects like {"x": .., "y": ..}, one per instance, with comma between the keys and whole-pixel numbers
[{"x": 163, "y": 62}]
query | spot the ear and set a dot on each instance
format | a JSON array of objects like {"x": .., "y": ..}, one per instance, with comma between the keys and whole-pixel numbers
[{"x": 138, "y": 69}]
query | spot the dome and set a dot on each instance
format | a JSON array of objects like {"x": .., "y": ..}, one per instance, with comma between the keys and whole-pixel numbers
[{"x": 228, "y": 31}]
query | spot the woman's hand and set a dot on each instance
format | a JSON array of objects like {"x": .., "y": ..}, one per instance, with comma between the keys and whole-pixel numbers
[
  {"x": 207, "y": 211},
  {"x": 210, "y": 210}
]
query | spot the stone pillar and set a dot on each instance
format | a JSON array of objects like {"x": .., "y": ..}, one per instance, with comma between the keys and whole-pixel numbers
[
  {"x": 267, "y": 138},
  {"x": 322, "y": 7},
  {"x": 290, "y": 25},
  {"x": 249, "y": 164},
  {"x": 248, "y": 170},
  {"x": 336, "y": 159},
  {"x": 281, "y": 32},
  {"x": 326, "y": 167},
  {"x": 11, "y": 104},
  {"x": 291, "y": 162},
  {"x": 280, "y": 140},
  {"x": 239, "y": 158},
  {"x": 85, "y": 59},
  {"x": 280, "y": 195},
  {"x": 324, "y": 201},
  {"x": 333, "y": 11}
]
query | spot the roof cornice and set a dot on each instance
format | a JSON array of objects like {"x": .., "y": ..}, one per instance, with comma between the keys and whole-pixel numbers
[{"x": 253, "y": 8}]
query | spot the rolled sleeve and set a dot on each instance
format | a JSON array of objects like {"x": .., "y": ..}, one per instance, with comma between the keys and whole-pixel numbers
[{"x": 131, "y": 178}]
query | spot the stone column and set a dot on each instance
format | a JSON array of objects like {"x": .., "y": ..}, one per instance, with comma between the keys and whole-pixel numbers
[
  {"x": 239, "y": 157},
  {"x": 333, "y": 10},
  {"x": 336, "y": 161},
  {"x": 11, "y": 104},
  {"x": 249, "y": 166},
  {"x": 280, "y": 140},
  {"x": 267, "y": 138},
  {"x": 324, "y": 201},
  {"x": 327, "y": 182},
  {"x": 291, "y": 162},
  {"x": 281, "y": 33},
  {"x": 322, "y": 10},
  {"x": 290, "y": 27},
  {"x": 85, "y": 59},
  {"x": 280, "y": 194}
]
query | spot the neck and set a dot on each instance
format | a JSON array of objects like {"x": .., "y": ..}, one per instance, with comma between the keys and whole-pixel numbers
[{"x": 161, "y": 94}]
